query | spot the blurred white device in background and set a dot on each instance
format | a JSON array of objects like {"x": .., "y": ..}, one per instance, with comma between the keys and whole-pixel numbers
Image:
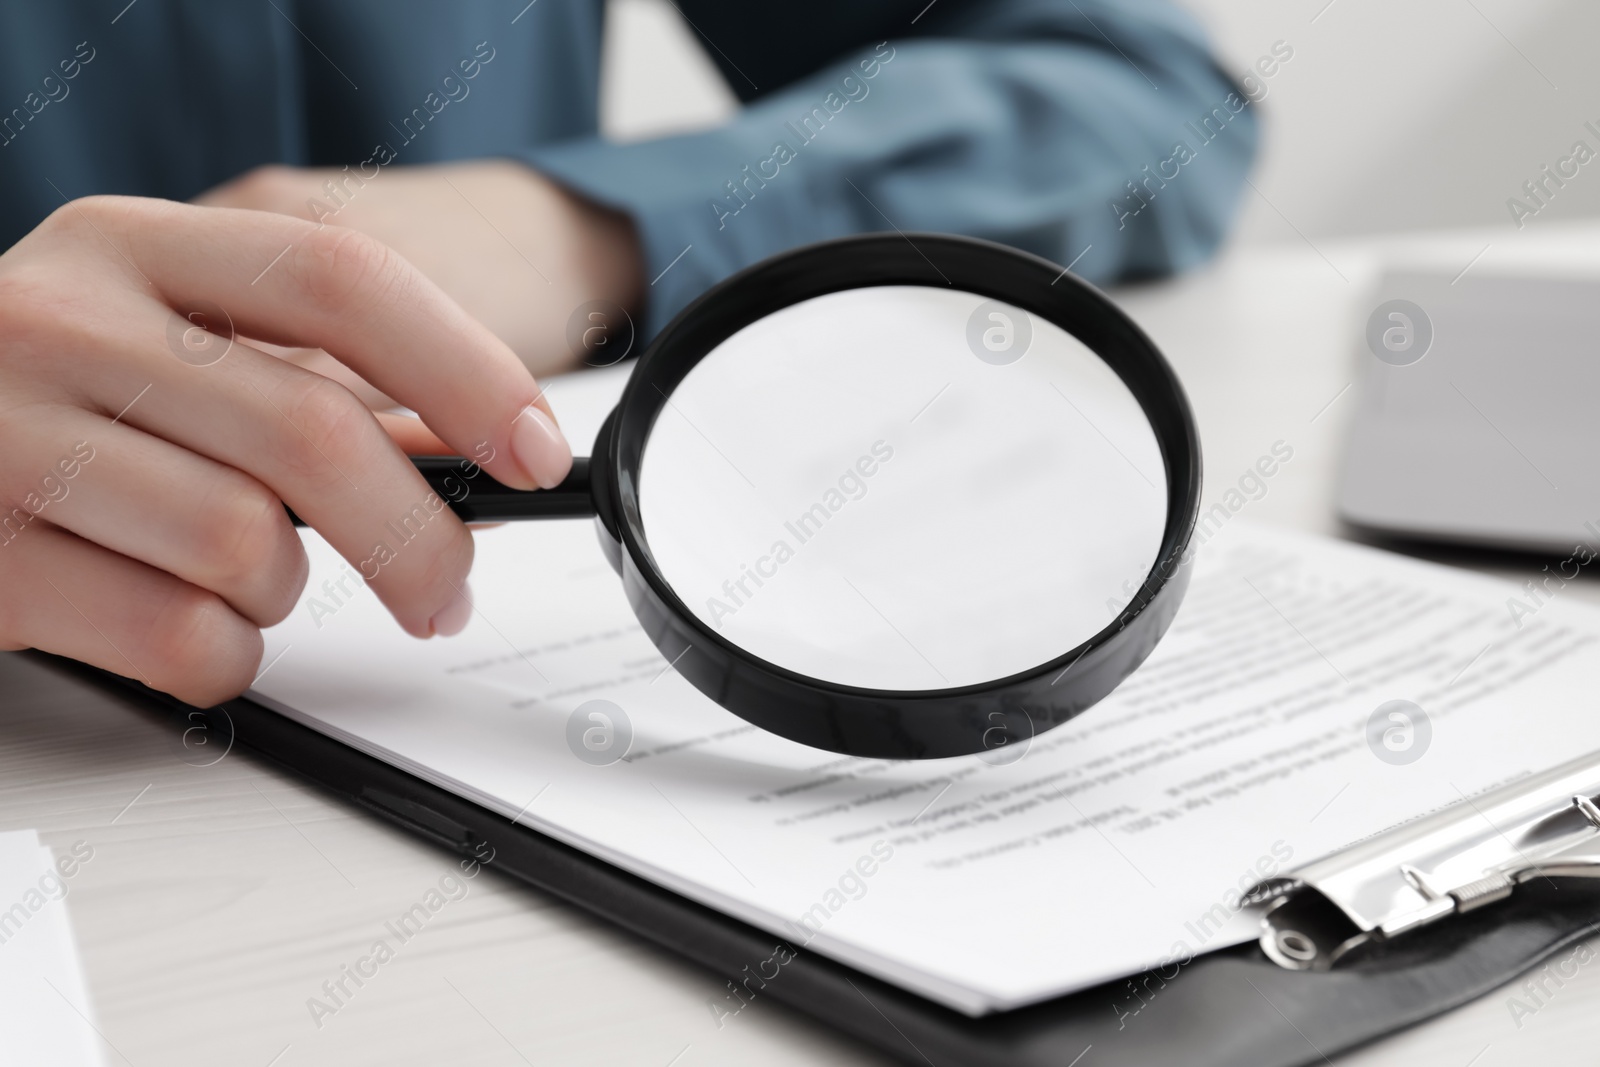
[{"x": 1487, "y": 431}]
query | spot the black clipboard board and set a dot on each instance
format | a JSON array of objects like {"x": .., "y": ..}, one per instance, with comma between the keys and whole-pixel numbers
[{"x": 1229, "y": 1008}]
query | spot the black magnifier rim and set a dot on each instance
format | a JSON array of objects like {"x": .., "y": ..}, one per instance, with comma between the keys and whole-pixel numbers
[{"x": 882, "y": 723}]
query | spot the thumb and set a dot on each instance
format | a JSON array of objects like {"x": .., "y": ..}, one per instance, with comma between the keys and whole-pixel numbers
[{"x": 415, "y": 439}]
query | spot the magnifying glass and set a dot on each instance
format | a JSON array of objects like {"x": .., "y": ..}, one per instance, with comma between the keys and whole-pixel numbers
[{"x": 901, "y": 497}]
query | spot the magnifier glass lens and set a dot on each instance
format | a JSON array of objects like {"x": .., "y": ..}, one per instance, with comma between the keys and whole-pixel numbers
[{"x": 903, "y": 488}]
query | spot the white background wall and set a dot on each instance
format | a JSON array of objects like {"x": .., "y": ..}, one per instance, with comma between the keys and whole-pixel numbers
[{"x": 1392, "y": 115}]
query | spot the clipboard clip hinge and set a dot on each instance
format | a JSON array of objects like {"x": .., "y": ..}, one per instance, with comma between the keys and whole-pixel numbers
[{"x": 1469, "y": 855}]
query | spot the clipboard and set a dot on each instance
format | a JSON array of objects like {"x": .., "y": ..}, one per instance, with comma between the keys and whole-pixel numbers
[{"x": 1445, "y": 939}]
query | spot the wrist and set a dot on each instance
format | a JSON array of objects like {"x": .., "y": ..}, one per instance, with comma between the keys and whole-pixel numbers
[{"x": 608, "y": 256}]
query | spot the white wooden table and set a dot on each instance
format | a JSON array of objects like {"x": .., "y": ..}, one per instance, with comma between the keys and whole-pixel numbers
[{"x": 220, "y": 898}]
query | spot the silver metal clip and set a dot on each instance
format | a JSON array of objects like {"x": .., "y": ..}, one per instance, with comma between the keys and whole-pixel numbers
[{"x": 1469, "y": 855}]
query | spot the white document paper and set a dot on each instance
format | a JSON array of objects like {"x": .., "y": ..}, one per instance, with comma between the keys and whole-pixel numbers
[
  {"x": 1121, "y": 841},
  {"x": 44, "y": 1004}
]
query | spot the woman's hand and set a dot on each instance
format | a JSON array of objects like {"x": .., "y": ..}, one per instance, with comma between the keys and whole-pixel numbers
[
  {"x": 514, "y": 249},
  {"x": 149, "y": 450}
]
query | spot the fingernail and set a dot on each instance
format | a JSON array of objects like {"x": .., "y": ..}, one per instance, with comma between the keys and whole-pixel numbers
[
  {"x": 454, "y": 616},
  {"x": 540, "y": 449}
]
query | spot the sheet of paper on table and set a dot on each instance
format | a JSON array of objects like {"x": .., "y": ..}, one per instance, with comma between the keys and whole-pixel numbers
[
  {"x": 44, "y": 1004},
  {"x": 1117, "y": 843}
]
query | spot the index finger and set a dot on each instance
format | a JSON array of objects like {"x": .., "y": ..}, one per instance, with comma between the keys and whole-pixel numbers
[{"x": 293, "y": 282}]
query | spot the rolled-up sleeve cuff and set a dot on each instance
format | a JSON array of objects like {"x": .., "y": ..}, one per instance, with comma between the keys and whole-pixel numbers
[{"x": 694, "y": 230}]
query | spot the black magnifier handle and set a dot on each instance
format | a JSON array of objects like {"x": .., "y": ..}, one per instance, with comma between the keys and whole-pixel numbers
[{"x": 469, "y": 491}]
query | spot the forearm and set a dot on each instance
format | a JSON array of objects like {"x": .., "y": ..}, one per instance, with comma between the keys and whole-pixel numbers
[
  {"x": 517, "y": 251},
  {"x": 1020, "y": 123}
]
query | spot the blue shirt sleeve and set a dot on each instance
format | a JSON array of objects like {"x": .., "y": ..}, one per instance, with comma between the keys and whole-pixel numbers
[{"x": 1099, "y": 133}]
